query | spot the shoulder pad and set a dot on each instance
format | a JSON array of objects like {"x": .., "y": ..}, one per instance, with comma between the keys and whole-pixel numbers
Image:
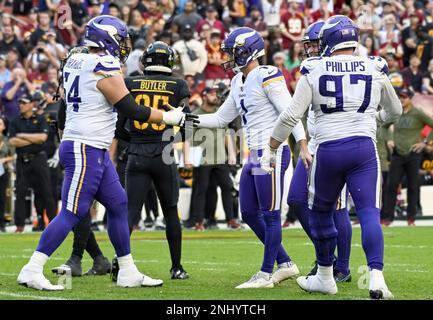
[
  {"x": 269, "y": 74},
  {"x": 380, "y": 64},
  {"x": 107, "y": 65},
  {"x": 309, "y": 64}
]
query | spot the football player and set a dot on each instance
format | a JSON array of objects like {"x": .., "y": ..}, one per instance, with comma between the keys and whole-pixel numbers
[
  {"x": 345, "y": 92},
  {"x": 298, "y": 192},
  {"x": 149, "y": 143},
  {"x": 94, "y": 90},
  {"x": 258, "y": 94}
]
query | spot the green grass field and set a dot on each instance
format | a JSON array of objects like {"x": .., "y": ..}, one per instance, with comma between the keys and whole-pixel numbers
[{"x": 219, "y": 260}]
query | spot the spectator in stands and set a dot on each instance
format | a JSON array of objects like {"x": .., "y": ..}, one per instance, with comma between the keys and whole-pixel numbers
[
  {"x": 10, "y": 41},
  {"x": 192, "y": 53},
  {"x": 410, "y": 38},
  {"x": 49, "y": 88},
  {"x": 44, "y": 26},
  {"x": 279, "y": 59},
  {"x": 137, "y": 27},
  {"x": 153, "y": 13},
  {"x": 323, "y": 13},
  {"x": 237, "y": 12},
  {"x": 213, "y": 161},
  {"x": 294, "y": 57},
  {"x": 211, "y": 20},
  {"x": 39, "y": 76},
  {"x": 405, "y": 148},
  {"x": 274, "y": 44},
  {"x": 427, "y": 80},
  {"x": 271, "y": 13},
  {"x": 292, "y": 25},
  {"x": 42, "y": 52},
  {"x": 114, "y": 10},
  {"x": 188, "y": 17},
  {"x": 6, "y": 157},
  {"x": 394, "y": 73},
  {"x": 412, "y": 75},
  {"x": 256, "y": 22},
  {"x": 13, "y": 59},
  {"x": 133, "y": 62},
  {"x": 167, "y": 7},
  {"x": 5, "y": 74},
  {"x": 213, "y": 72},
  {"x": 12, "y": 90}
]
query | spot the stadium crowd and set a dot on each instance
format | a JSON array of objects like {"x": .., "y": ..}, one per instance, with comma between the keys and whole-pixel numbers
[{"x": 36, "y": 34}]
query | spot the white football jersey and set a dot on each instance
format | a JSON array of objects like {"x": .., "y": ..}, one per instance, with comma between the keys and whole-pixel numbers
[
  {"x": 259, "y": 99},
  {"x": 90, "y": 118},
  {"x": 346, "y": 92}
]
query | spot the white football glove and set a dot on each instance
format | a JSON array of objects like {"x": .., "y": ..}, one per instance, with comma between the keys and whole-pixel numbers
[
  {"x": 175, "y": 117},
  {"x": 268, "y": 159},
  {"x": 54, "y": 161}
]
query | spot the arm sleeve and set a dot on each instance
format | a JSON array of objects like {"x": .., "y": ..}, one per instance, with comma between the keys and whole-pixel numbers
[
  {"x": 220, "y": 119},
  {"x": 61, "y": 115},
  {"x": 390, "y": 103},
  {"x": 277, "y": 92},
  {"x": 131, "y": 110},
  {"x": 291, "y": 116}
]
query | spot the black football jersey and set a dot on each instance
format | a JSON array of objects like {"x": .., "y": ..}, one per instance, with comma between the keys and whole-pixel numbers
[{"x": 154, "y": 90}]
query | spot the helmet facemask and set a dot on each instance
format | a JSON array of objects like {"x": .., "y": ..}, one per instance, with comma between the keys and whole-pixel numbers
[{"x": 125, "y": 47}]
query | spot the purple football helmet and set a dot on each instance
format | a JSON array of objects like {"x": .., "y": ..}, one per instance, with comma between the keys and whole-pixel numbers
[
  {"x": 243, "y": 45},
  {"x": 108, "y": 33},
  {"x": 312, "y": 36},
  {"x": 339, "y": 32}
]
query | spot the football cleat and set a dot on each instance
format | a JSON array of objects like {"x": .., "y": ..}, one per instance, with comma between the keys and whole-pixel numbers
[
  {"x": 32, "y": 277},
  {"x": 259, "y": 280},
  {"x": 114, "y": 269},
  {"x": 101, "y": 266},
  {"x": 315, "y": 284},
  {"x": 378, "y": 288},
  {"x": 285, "y": 271},
  {"x": 72, "y": 267},
  {"x": 131, "y": 278},
  {"x": 179, "y": 274}
]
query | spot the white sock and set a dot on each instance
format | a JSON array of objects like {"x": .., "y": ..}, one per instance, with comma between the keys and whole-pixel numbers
[
  {"x": 125, "y": 261},
  {"x": 325, "y": 273},
  {"x": 38, "y": 259}
]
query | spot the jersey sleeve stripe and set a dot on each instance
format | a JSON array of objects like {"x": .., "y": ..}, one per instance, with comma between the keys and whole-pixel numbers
[
  {"x": 100, "y": 67},
  {"x": 103, "y": 73},
  {"x": 278, "y": 74},
  {"x": 281, "y": 78}
]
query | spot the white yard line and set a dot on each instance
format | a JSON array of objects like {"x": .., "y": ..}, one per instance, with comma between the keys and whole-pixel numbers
[{"x": 18, "y": 295}]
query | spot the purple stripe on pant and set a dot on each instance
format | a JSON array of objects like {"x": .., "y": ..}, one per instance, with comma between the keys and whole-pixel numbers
[
  {"x": 260, "y": 201},
  {"x": 89, "y": 175},
  {"x": 353, "y": 161}
]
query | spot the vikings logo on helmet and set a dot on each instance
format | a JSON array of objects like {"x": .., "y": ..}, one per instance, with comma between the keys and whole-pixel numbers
[
  {"x": 243, "y": 45},
  {"x": 339, "y": 32},
  {"x": 109, "y": 33}
]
